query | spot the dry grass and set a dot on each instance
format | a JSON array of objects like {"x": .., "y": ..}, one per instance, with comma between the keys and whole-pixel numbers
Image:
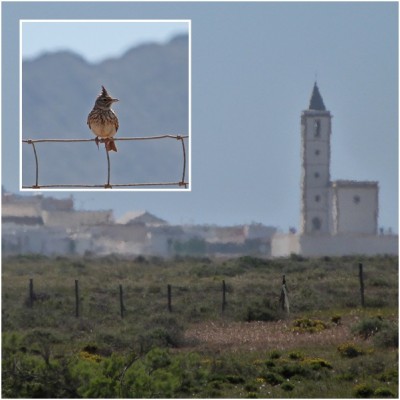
[{"x": 255, "y": 336}]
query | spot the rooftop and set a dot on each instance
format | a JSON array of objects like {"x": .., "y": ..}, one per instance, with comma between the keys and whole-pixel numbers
[{"x": 316, "y": 102}]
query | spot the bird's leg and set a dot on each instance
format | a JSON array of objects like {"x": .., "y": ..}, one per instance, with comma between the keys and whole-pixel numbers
[{"x": 97, "y": 140}]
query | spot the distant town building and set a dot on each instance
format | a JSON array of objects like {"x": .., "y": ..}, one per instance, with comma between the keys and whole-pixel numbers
[
  {"x": 141, "y": 217},
  {"x": 337, "y": 217},
  {"x": 45, "y": 225},
  {"x": 77, "y": 218}
]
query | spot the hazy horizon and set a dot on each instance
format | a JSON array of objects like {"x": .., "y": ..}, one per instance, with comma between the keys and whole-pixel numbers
[{"x": 253, "y": 69}]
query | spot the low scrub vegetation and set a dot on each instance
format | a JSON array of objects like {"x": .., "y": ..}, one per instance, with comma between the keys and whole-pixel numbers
[{"x": 328, "y": 346}]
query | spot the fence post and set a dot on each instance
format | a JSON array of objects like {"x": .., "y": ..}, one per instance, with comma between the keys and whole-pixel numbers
[
  {"x": 107, "y": 185},
  {"x": 361, "y": 276},
  {"x": 284, "y": 299},
  {"x": 76, "y": 298},
  {"x": 169, "y": 298},
  {"x": 223, "y": 296},
  {"x": 121, "y": 301},
  {"x": 31, "y": 295}
]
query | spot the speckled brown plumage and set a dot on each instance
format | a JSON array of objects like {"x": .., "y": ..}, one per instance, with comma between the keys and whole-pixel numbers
[{"x": 103, "y": 121}]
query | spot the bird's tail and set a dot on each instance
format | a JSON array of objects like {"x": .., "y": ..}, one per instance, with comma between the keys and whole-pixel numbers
[{"x": 110, "y": 145}]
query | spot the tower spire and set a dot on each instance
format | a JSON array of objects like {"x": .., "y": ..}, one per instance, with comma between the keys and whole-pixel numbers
[{"x": 316, "y": 102}]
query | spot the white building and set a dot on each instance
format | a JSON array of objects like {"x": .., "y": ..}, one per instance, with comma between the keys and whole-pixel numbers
[{"x": 337, "y": 217}]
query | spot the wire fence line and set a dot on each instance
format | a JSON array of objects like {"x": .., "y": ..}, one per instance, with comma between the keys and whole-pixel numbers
[
  {"x": 87, "y": 298},
  {"x": 182, "y": 293},
  {"x": 108, "y": 185}
]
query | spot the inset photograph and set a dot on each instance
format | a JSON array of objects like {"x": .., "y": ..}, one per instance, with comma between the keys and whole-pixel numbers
[{"x": 105, "y": 105}]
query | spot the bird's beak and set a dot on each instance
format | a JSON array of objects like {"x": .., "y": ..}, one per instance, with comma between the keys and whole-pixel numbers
[{"x": 115, "y": 100}]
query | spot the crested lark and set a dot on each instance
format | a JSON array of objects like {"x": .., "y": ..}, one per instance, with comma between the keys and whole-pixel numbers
[{"x": 102, "y": 120}]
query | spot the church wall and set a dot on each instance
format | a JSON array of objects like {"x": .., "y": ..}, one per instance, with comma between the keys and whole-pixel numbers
[
  {"x": 316, "y": 176},
  {"x": 282, "y": 245},
  {"x": 340, "y": 245},
  {"x": 356, "y": 209}
]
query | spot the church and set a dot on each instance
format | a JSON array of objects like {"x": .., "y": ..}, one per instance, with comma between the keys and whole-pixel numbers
[{"x": 337, "y": 217}]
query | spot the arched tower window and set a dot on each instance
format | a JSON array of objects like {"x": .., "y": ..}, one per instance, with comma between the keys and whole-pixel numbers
[{"x": 317, "y": 128}]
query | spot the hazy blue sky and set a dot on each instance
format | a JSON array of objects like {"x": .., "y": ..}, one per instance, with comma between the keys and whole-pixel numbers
[
  {"x": 253, "y": 69},
  {"x": 83, "y": 37}
]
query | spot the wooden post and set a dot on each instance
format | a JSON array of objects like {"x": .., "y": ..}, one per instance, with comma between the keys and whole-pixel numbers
[
  {"x": 284, "y": 300},
  {"x": 223, "y": 296},
  {"x": 121, "y": 301},
  {"x": 169, "y": 298},
  {"x": 76, "y": 298},
  {"x": 361, "y": 276},
  {"x": 31, "y": 295}
]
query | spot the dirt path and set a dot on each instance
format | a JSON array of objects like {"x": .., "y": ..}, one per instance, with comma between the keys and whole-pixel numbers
[{"x": 260, "y": 336}]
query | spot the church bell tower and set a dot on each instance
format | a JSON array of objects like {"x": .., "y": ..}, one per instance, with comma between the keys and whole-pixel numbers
[{"x": 315, "y": 178}]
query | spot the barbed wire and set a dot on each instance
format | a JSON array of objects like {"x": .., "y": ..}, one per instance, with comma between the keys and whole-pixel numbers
[{"x": 107, "y": 185}]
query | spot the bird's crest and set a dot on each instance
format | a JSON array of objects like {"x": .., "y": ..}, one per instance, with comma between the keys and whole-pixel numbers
[{"x": 104, "y": 92}]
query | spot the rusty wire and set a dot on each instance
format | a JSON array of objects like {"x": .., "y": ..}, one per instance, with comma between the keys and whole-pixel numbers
[{"x": 107, "y": 185}]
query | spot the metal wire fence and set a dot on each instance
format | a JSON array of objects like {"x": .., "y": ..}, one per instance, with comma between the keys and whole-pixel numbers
[{"x": 108, "y": 185}]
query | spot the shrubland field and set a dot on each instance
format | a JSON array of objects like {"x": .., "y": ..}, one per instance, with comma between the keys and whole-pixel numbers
[{"x": 327, "y": 346}]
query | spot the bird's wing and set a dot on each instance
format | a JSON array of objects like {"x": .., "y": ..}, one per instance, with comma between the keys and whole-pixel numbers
[{"x": 116, "y": 122}]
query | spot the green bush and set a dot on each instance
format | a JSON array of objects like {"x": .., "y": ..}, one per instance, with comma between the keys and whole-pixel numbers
[
  {"x": 250, "y": 387},
  {"x": 287, "y": 386},
  {"x": 302, "y": 325},
  {"x": 388, "y": 336},
  {"x": 390, "y": 375},
  {"x": 363, "y": 391},
  {"x": 261, "y": 312},
  {"x": 161, "y": 374},
  {"x": 234, "y": 379},
  {"x": 161, "y": 331},
  {"x": 336, "y": 319},
  {"x": 297, "y": 257},
  {"x": 41, "y": 342},
  {"x": 317, "y": 363},
  {"x": 275, "y": 354},
  {"x": 289, "y": 370},
  {"x": 269, "y": 364},
  {"x": 346, "y": 376},
  {"x": 252, "y": 262},
  {"x": 273, "y": 379},
  {"x": 26, "y": 375},
  {"x": 384, "y": 393},
  {"x": 296, "y": 355},
  {"x": 368, "y": 327},
  {"x": 349, "y": 350}
]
